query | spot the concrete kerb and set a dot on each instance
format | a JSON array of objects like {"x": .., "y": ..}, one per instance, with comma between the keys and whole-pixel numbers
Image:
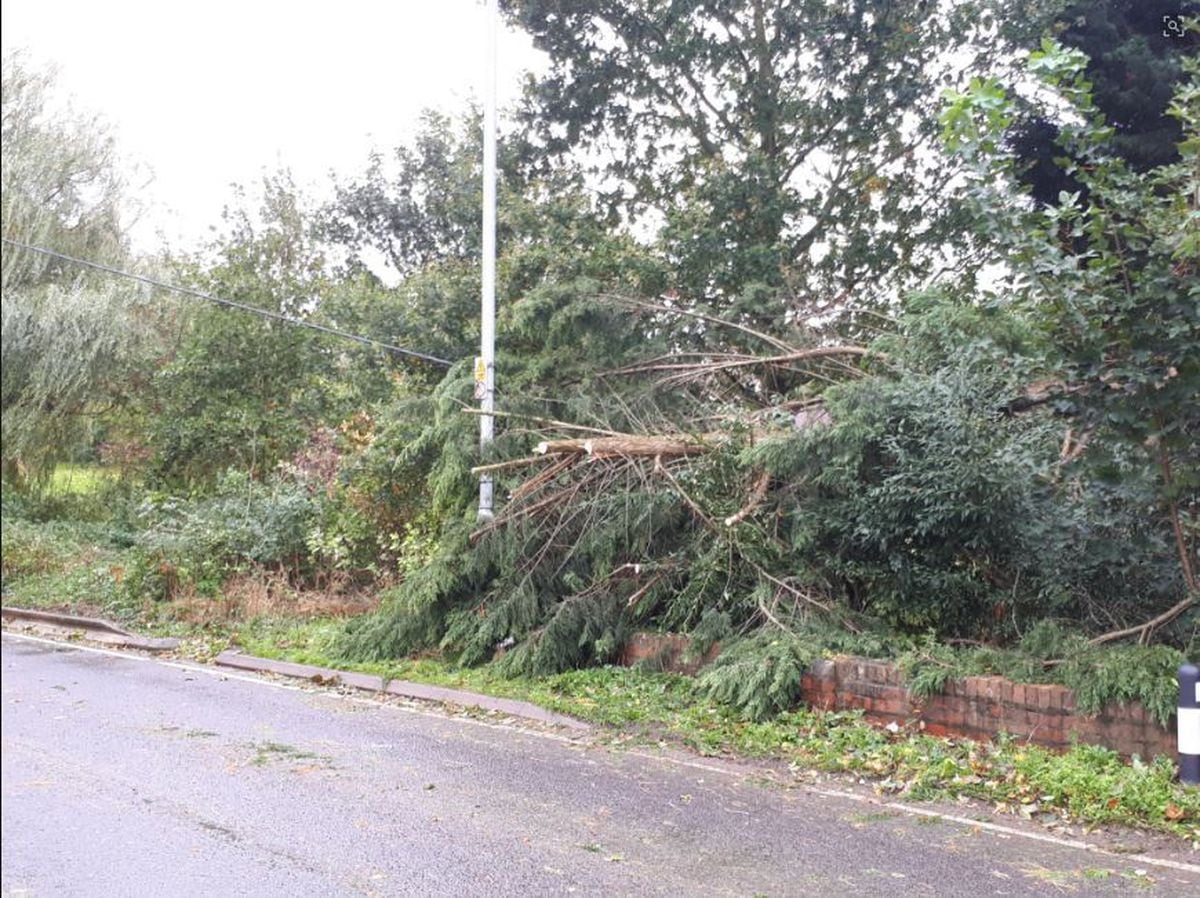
[
  {"x": 402, "y": 688},
  {"x": 110, "y": 634},
  {"x": 93, "y": 628}
]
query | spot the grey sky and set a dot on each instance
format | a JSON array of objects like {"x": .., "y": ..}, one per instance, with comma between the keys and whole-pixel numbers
[{"x": 205, "y": 95}]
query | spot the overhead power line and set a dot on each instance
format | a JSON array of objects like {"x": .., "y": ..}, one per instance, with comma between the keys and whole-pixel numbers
[{"x": 229, "y": 303}]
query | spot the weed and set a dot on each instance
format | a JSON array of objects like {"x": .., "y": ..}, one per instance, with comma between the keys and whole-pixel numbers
[{"x": 266, "y": 752}]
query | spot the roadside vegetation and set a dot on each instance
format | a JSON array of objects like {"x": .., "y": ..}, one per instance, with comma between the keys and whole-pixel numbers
[
  {"x": 70, "y": 567},
  {"x": 877, "y": 359}
]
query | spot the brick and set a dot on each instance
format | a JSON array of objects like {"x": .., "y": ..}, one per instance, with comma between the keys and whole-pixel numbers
[
  {"x": 894, "y": 676},
  {"x": 1019, "y": 721},
  {"x": 994, "y": 688},
  {"x": 942, "y": 708},
  {"x": 1054, "y": 728},
  {"x": 824, "y": 669},
  {"x": 892, "y": 707},
  {"x": 1004, "y": 691},
  {"x": 1054, "y": 699},
  {"x": 1046, "y": 698},
  {"x": 1084, "y": 730},
  {"x": 865, "y": 688}
]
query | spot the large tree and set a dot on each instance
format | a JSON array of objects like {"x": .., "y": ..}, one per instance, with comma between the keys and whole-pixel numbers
[
  {"x": 780, "y": 143},
  {"x": 1134, "y": 49},
  {"x": 241, "y": 390},
  {"x": 72, "y": 342}
]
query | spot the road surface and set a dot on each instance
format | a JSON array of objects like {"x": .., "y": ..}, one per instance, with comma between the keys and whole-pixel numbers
[{"x": 126, "y": 776}]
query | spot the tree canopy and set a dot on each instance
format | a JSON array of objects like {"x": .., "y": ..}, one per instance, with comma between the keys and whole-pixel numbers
[
  {"x": 72, "y": 343},
  {"x": 779, "y": 144}
]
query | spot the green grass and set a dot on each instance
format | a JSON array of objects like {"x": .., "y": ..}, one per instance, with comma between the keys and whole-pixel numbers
[
  {"x": 57, "y": 564},
  {"x": 80, "y": 480}
]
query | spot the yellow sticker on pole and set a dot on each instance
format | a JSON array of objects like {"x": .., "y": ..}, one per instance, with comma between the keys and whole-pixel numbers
[{"x": 480, "y": 370}]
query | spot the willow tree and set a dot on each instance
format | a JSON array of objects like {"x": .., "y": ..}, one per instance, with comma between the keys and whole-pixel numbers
[{"x": 68, "y": 339}]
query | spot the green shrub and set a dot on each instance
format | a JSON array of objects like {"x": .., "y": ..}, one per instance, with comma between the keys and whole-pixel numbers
[
  {"x": 201, "y": 542},
  {"x": 33, "y": 547}
]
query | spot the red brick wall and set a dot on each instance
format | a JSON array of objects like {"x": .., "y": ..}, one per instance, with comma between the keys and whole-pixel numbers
[
  {"x": 975, "y": 707},
  {"x": 665, "y": 651},
  {"x": 983, "y": 707}
]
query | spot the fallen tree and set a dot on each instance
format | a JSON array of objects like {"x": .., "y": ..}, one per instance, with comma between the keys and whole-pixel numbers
[{"x": 914, "y": 496}]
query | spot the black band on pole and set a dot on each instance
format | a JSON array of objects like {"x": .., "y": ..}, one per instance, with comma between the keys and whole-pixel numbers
[{"x": 1188, "y": 723}]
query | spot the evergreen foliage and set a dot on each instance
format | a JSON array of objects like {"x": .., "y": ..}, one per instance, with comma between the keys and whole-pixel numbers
[
  {"x": 1134, "y": 64},
  {"x": 761, "y": 675}
]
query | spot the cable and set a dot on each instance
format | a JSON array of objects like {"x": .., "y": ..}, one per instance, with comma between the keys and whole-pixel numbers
[{"x": 229, "y": 303}]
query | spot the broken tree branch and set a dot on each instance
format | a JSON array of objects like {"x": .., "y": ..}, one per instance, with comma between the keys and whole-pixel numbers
[
  {"x": 511, "y": 463},
  {"x": 802, "y": 355},
  {"x": 700, "y": 316},
  {"x": 1144, "y": 630},
  {"x": 757, "y": 496},
  {"x": 544, "y": 422},
  {"x": 625, "y": 446}
]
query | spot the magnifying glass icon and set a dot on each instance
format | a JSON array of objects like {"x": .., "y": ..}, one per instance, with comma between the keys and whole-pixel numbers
[{"x": 1174, "y": 26}]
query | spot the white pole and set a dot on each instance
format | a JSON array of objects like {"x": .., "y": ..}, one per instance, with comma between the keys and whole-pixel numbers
[{"x": 487, "y": 361}]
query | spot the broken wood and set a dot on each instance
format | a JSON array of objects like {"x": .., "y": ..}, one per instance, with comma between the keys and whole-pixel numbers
[
  {"x": 547, "y": 475},
  {"x": 802, "y": 355},
  {"x": 757, "y": 496},
  {"x": 700, "y": 316},
  {"x": 625, "y": 446},
  {"x": 640, "y": 594},
  {"x": 544, "y": 422},
  {"x": 511, "y": 463}
]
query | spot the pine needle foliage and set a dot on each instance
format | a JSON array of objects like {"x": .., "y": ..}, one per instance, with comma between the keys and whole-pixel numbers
[
  {"x": 761, "y": 675},
  {"x": 516, "y": 583},
  {"x": 1051, "y": 653}
]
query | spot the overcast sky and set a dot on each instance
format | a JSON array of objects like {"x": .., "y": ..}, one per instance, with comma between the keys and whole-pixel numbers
[{"x": 205, "y": 95}]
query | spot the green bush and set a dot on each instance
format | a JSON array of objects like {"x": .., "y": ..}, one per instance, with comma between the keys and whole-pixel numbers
[
  {"x": 201, "y": 542},
  {"x": 32, "y": 547}
]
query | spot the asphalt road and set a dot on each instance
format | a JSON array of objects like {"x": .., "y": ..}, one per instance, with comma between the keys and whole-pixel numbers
[{"x": 128, "y": 776}]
